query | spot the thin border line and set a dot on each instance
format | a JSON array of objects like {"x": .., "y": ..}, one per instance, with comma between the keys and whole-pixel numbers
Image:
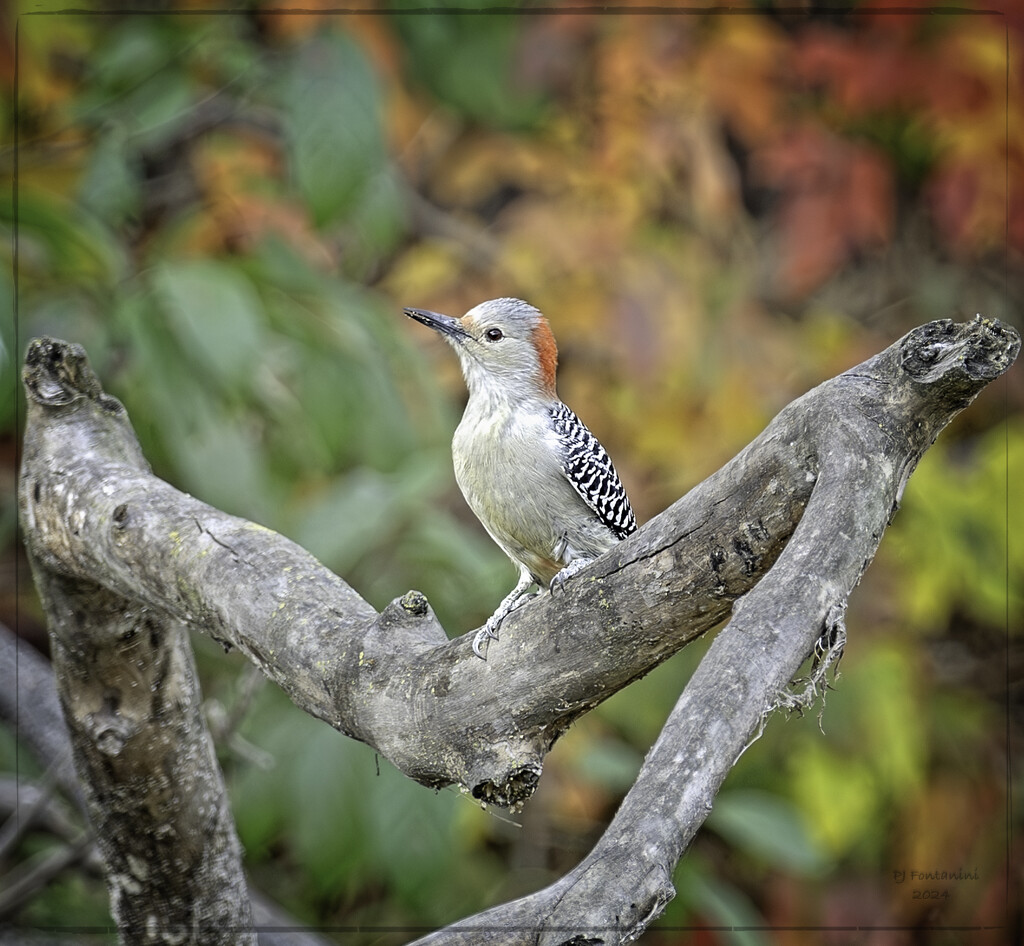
[
  {"x": 542, "y": 11},
  {"x": 19, "y": 426},
  {"x": 519, "y": 11},
  {"x": 1006, "y": 444},
  {"x": 458, "y": 927}
]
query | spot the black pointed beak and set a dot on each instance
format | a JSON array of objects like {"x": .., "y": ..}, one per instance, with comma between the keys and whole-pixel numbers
[{"x": 444, "y": 324}]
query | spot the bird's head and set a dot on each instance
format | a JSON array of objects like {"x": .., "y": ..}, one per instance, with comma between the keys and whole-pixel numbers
[{"x": 504, "y": 345}]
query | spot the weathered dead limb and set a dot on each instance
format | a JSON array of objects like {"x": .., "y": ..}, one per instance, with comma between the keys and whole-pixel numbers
[
  {"x": 94, "y": 516},
  {"x": 93, "y": 511},
  {"x": 871, "y": 427},
  {"x": 33, "y": 707},
  {"x": 156, "y": 798}
]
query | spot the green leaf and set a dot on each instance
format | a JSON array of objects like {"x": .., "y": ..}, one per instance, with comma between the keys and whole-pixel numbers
[
  {"x": 377, "y": 223},
  {"x": 467, "y": 60},
  {"x": 62, "y": 241},
  {"x": 610, "y": 763},
  {"x": 109, "y": 187},
  {"x": 892, "y": 721},
  {"x": 350, "y": 518},
  {"x": 331, "y": 106},
  {"x": 216, "y": 316},
  {"x": 158, "y": 109},
  {"x": 134, "y": 50},
  {"x": 331, "y": 835},
  {"x": 224, "y": 466},
  {"x": 839, "y": 796},
  {"x": 725, "y": 906},
  {"x": 766, "y": 827},
  {"x": 952, "y": 540}
]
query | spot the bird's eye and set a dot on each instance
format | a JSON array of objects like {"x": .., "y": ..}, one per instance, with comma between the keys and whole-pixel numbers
[{"x": 493, "y": 334}]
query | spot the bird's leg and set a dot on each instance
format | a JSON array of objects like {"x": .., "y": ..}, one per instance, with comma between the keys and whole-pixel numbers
[
  {"x": 577, "y": 564},
  {"x": 490, "y": 630}
]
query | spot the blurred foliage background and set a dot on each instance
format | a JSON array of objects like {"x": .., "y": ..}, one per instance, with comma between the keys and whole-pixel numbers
[{"x": 717, "y": 212}]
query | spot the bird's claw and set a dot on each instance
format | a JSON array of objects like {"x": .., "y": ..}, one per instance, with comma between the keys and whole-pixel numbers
[
  {"x": 558, "y": 582},
  {"x": 489, "y": 632}
]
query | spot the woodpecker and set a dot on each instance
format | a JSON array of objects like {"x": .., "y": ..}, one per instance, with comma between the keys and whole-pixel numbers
[{"x": 537, "y": 479}]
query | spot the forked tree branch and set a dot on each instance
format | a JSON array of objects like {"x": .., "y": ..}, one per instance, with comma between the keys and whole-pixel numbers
[
  {"x": 112, "y": 538},
  {"x": 93, "y": 511}
]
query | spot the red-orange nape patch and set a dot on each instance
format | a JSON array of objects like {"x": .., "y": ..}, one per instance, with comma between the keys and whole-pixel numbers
[{"x": 547, "y": 354}]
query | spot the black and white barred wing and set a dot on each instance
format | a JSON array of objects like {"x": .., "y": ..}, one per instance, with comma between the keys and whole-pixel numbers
[{"x": 588, "y": 467}]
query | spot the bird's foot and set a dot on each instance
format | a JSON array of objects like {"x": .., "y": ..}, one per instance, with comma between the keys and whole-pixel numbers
[
  {"x": 574, "y": 566},
  {"x": 489, "y": 632},
  {"x": 521, "y": 600}
]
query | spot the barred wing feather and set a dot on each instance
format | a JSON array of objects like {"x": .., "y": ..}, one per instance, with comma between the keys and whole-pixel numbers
[{"x": 589, "y": 469}]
